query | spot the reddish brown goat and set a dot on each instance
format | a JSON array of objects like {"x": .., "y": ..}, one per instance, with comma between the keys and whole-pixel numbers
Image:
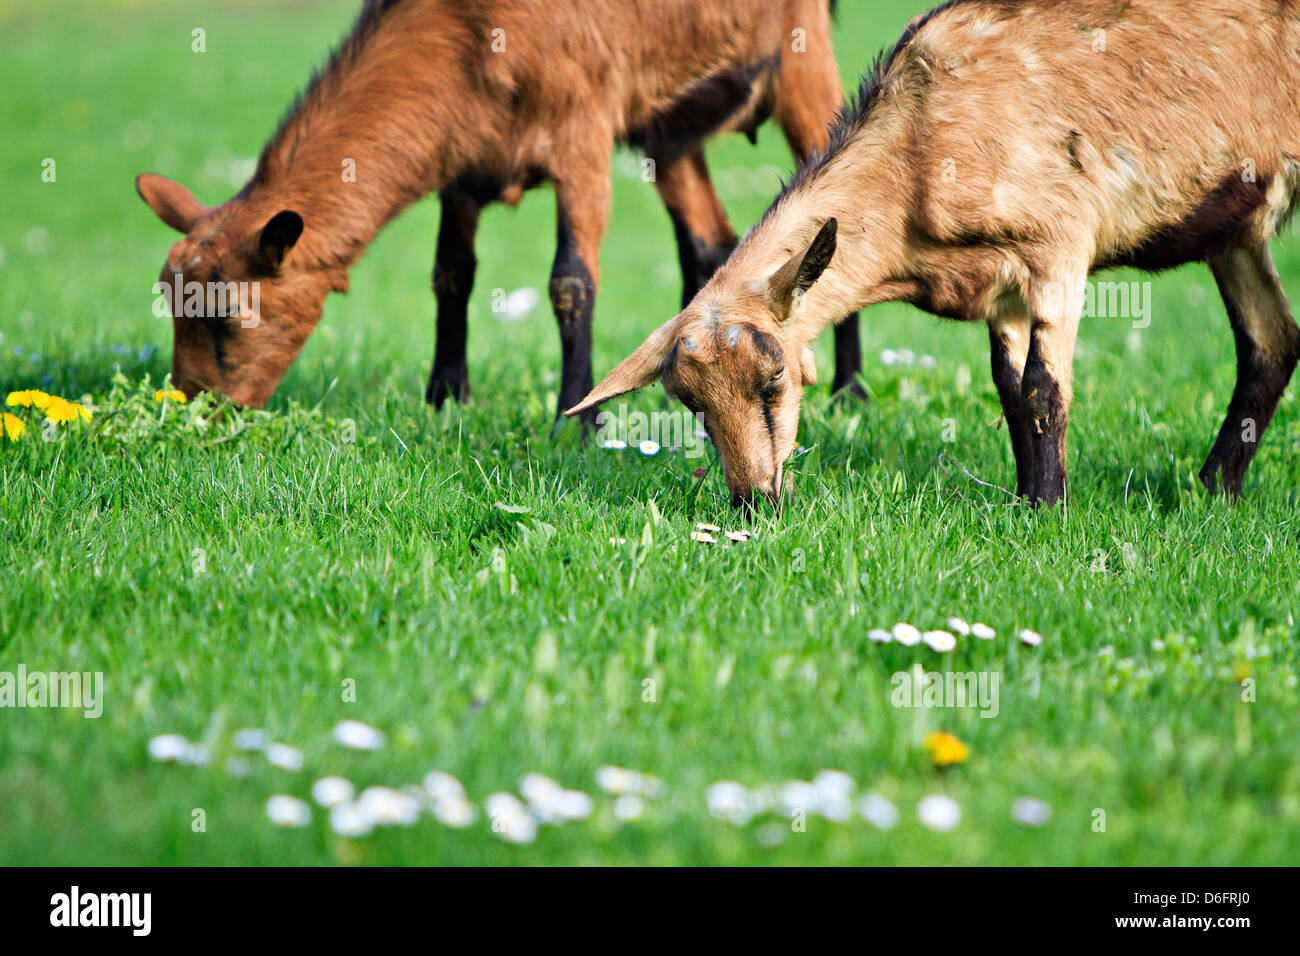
[
  {"x": 1000, "y": 154},
  {"x": 480, "y": 100}
]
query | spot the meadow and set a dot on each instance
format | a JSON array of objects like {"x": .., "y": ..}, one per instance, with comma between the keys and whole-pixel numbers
[{"x": 501, "y": 602}]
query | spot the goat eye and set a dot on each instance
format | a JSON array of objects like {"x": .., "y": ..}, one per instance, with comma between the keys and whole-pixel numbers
[{"x": 775, "y": 380}]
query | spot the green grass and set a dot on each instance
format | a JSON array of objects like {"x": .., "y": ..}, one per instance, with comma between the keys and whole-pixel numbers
[{"x": 327, "y": 561}]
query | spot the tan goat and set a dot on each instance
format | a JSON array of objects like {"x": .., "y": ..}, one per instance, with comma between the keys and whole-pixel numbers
[{"x": 1002, "y": 152}]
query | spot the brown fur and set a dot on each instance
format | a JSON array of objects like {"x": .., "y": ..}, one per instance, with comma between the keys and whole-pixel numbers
[
  {"x": 1002, "y": 152},
  {"x": 420, "y": 100}
]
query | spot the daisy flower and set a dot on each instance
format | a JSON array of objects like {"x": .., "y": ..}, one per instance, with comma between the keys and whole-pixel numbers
[
  {"x": 1030, "y": 638},
  {"x": 703, "y": 537},
  {"x": 878, "y": 811},
  {"x": 648, "y": 447},
  {"x": 958, "y": 626},
  {"x": 906, "y": 634},
  {"x": 983, "y": 632},
  {"x": 1030, "y": 812},
  {"x": 332, "y": 791},
  {"x": 940, "y": 641},
  {"x": 288, "y": 811},
  {"x": 284, "y": 756},
  {"x": 938, "y": 813},
  {"x": 358, "y": 736},
  {"x": 879, "y": 635}
]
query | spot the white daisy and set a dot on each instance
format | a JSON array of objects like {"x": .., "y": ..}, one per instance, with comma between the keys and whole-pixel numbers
[
  {"x": 347, "y": 820},
  {"x": 385, "y": 806},
  {"x": 454, "y": 812},
  {"x": 649, "y": 447},
  {"x": 284, "y": 756},
  {"x": 617, "y": 780},
  {"x": 168, "y": 747},
  {"x": 711, "y": 528},
  {"x": 571, "y": 805},
  {"x": 940, "y": 641},
  {"x": 518, "y": 829},
  {"x": 1030, "y": 812},
  {"x": 287, "y": 811},
  {"x": 251, "y": 739},
  {"x": 443, "y": 786},
  {"x": 958, "y": 626},
  {"x": 888, "y": 357},
  {"x": 332, "y": 791},
  {"x": 196, "y": 755},
  {"x": 983, "y": 632},
  {"x": 355, "y": 735},
  {"x": 938, "y": 813},
  {"x": 617, "y": 541},
  {"x": 703, "y": 537},
  {"x": 629, "y": 808},
  {"x": 1031, "y": 638},
  {"x": 834, "y": 783},
  {"x": 878, "y": 811},
  {"x": 879, "y": 635},
  {"x": 739, "y": 535},
  {"x": 539, "y": 788},
  {"x": 727, "y": 801},
  {"x": 906, "y": 634},
  {"x": 614, "y": 444}
]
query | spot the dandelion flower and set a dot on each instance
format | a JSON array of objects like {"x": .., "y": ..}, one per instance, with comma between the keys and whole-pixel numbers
[
  {"x": 879, "y": 635},
  {"x": 958, "y": 626},
  {"x": 878, "y": 811},
  {"x": 945, "y": 749},
  {"x": 938, "y": 813},
  {"x": 332, "y": 791},
  {"x": 288, "y": 811},
  {"x": 906, "y": 635},
  {"x": 983, "y": 632},
  {"x": 1030, "y": 812},
  {"x": 14, "y": 427},
  {"x": 61, "y": 412},
  {"x": 355, "y": 735},
  {"x": 174, "y": 394},
  {"x": 649, "y": 447},
  {"x": 1030, "y": 638},
  {"x": 30, "y": 398},
  {"x": 940, "y": 641},
  {"x": 284, "y": 756}
]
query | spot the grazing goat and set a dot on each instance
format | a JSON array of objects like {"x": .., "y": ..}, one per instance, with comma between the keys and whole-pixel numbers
[
  {"x": 1002, "y": 152},
  {"x": 480, "y": 100}
]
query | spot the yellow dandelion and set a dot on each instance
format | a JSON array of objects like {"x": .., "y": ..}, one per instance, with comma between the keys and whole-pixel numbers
[
  {"x": 14, "y": 427},
  {"x": 61, "y": 411},
  {"x": 945, "y": 749},
  {"x": 175, "y": 394},
  {"x": 29, "y": 398}
]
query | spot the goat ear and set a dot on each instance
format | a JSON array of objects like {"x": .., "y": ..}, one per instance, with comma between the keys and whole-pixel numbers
[
  {"x": 636, "y": 371},
  {"x": 798, "y": 275},
  {"x": 170, "y": 201},
  {"x": 278, "y": 237}
]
